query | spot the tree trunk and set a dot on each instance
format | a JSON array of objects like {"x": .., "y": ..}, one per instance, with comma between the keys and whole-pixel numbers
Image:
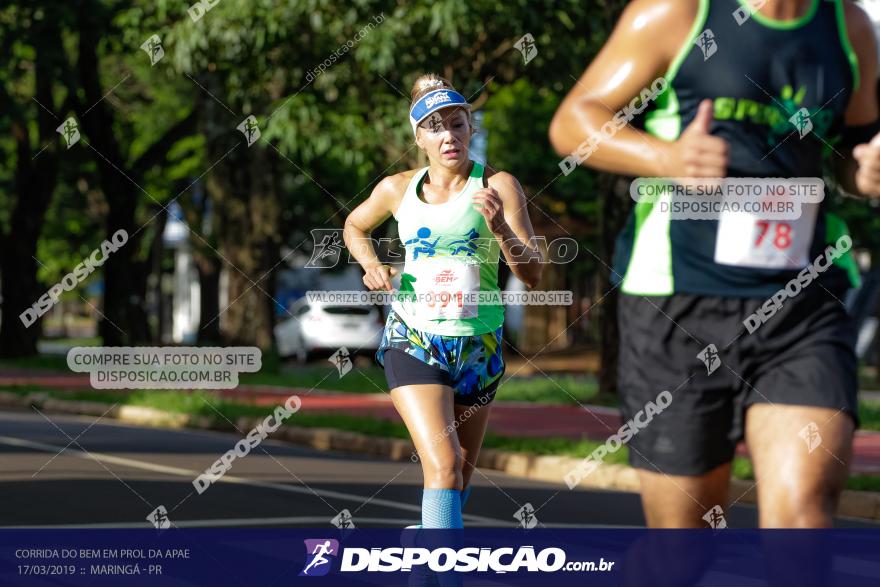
[
  {"x": 20, "y": 289},
  {"x": 118, "y": 325},
  {"x": 125, "y": 284},
  {"x": 18, "y": 263},
  {"x": 35, "y": 180},
  {"x": 121, "y": 278},
  {"x": 153, "y": 266},
  {"x": 249, "y": 215},
  {"x": 245, "y": 202},
  {"x": 200, "y": 212},
  {"x": 613, "y": 213},
  {"x": 209, "y": 299}
]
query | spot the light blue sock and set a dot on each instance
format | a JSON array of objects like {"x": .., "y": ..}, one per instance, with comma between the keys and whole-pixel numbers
[
  {"x": 465, "y": 495},
  {"x": 441, "y": 508}
]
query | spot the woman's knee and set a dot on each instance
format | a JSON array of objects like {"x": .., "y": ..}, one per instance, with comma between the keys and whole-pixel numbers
[{"x": 443, "y": 472}]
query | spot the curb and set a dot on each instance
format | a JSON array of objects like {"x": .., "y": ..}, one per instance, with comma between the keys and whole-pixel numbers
[{"x": 548, "y": 468}]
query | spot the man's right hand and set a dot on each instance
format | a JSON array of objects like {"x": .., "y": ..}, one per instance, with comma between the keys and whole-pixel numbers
[
  {"x": 379, "y": 277},
  {"x": 697, "y": 153}
]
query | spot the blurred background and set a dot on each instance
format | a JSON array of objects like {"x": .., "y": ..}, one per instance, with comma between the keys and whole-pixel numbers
[
  {"x": 213, "y": 221},
  {"x": 220, "y": 231}
]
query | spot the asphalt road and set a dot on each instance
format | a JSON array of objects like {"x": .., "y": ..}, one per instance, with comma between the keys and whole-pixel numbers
[{"x": 82, "y": 471}]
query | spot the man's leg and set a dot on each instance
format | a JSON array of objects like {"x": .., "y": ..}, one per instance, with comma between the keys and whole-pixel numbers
[
  {"x": 675, "y": 501},
  {"x": 801, "y": 458},
  {"x": 682, "y": 447}
]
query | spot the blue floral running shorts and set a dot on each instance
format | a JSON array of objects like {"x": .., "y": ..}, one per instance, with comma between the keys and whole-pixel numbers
[{"x": 471, "y": 365}]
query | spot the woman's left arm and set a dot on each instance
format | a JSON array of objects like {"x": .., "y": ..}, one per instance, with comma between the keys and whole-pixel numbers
[{"x": 503, "y": 204}]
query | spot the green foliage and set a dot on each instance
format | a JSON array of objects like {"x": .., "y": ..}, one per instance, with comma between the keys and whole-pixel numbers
[
  {"x": 862, "y": 219},
  {"x": 329, "y": 134},
  {"x": 347, "y": 126},
  {"x": 869, "y": 415},
  {"x": 517, "y": 119},
  {"x": 336, "y": 133}
]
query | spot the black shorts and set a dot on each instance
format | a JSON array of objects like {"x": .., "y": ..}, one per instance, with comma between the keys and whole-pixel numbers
[
  {"x": 803, "y": 355},
  {"x": 403, "y": 369}
]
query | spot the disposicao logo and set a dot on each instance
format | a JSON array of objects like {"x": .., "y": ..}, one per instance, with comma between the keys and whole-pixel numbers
[
  {"x": 438, "y": 99},
  {"x": 321, "y": 552}
]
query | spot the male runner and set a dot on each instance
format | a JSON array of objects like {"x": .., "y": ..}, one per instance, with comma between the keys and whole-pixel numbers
[{"x": 742, "y": 82}]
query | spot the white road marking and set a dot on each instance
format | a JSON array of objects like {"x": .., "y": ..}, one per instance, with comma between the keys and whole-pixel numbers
[
  {"x": 228, "y": 523},
  {"x": 191, "y": 474},
  {"x": 304, "y": 520}
]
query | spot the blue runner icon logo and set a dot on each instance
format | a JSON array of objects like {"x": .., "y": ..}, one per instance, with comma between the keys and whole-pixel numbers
[{"x": 321, "y": 552}]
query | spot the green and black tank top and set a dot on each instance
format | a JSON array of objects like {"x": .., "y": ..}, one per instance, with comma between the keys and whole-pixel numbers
[{"x": 759, "y": 73}]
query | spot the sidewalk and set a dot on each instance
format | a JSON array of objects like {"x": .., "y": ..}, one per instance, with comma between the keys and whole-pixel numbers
[{"x": 507, "y": 419}]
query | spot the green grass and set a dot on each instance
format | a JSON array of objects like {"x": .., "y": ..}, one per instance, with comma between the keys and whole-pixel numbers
[
  {"x": 562, "y": 389},
  {"x": 187, "y": 403},
  {"x": 566, "y": 389},
  {"x": 553, "y": 446},
  {"x": 76, "y": 341},
  {"x": 208, "y": 404},
  {"x": 38, "y": 362},
  {"x": 869, "y": 415},
  {"x": 868, "y": 377},
  {"x": 360, "y": 380},
  {"x": 863, "y": 483},
  {"x": 742, "y": 469}
]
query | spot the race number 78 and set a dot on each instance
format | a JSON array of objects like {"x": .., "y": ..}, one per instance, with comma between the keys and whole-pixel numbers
[{"x": 781, "y": 235}]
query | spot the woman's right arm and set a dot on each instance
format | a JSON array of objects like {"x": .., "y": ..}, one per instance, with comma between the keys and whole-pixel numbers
[{"x": 370, "y": 214}]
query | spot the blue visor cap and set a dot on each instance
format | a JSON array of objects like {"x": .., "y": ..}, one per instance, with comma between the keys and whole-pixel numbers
[{"x": 432, "y": 102}]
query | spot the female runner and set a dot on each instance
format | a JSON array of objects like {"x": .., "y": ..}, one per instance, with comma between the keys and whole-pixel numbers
[{"x": 441, "y": 348}]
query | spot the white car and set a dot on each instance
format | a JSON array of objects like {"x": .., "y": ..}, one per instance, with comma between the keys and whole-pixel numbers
[{"x": 320, "y": 326}]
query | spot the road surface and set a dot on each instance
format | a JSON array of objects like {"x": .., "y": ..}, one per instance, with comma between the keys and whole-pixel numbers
[{"x": 89, "y": 472}]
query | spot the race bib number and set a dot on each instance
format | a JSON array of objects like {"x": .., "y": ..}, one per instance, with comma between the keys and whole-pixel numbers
[
  {"x": 446, "y": 287},
  {"x": 747, "y": 240}
]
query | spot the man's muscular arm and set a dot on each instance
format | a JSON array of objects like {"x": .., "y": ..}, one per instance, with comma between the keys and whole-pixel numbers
[
  {"x": 648, "y": 36},
  {"x": 859, "y": 172}
]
